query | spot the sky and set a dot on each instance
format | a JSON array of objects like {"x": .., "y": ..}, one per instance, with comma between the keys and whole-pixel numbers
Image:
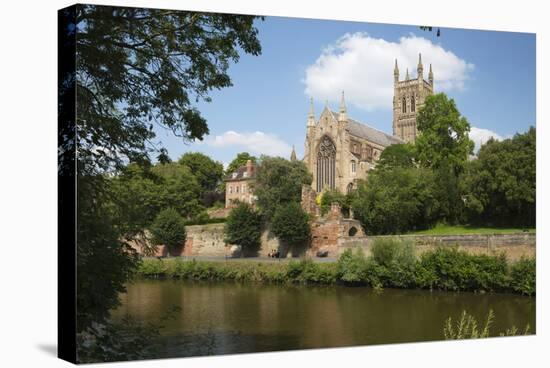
[{"x": 490, "y": 75}]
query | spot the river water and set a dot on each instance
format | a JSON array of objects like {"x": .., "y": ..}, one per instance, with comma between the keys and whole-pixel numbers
[{"x": 228, "y": 318}]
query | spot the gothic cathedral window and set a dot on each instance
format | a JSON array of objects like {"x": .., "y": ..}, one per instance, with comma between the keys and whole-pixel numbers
[
  {"x": 326, "y": 164},
  {"x": 404, "y": 105},
  {"x": 413, "y": 104}
]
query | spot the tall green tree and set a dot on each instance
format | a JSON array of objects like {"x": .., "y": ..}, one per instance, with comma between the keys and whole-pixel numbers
[
  {"x": 278, "y": 182},
  {"x": 239, "y": 161},
  {"x": 168, "y": 229},
  {"x": 499, "y": 187},
  {"x": 444, "y": 146},
  {"x": 136, "y": 68},
  {"x": 443, "y": 138}
]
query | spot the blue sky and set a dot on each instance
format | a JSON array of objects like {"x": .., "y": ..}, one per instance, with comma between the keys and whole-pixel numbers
[{"x": 490, "y": 75}]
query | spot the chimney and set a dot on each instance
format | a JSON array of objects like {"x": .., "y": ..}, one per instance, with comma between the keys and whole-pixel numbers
[{"x": 249, "y": 168}]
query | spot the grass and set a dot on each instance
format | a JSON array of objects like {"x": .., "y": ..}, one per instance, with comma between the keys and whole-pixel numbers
[{"x": 442, "y": 229}]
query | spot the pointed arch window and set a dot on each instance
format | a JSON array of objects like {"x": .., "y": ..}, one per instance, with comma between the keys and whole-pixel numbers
[
  {"x": 404, "y": 105},
  {"x": 326, "y": 164},
  {"x": 413, "y": 103}
]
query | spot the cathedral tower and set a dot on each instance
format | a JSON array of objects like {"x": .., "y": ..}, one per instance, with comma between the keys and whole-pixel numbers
[{"x": 408, "y": 97}]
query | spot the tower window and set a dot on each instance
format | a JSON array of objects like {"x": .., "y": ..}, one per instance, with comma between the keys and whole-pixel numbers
[
  {"x": 353, "y": 167},
  {"x": 404, "y": 105},
  {"x": 413, "y": 104}
]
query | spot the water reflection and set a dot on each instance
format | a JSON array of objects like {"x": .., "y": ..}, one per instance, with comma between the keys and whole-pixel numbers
[{"x": 235, "y": 318}]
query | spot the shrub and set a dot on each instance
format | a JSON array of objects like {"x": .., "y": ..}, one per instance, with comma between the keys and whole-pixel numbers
[
  {"x": 396, "y": 261},
  {"x": 523, "y": 276},
  {"x": 244, "y": 227},
  {"x": 448, "y": 268},
  {"x": 290, "y": 224},
  {"x": 168, "y": 229},
  {"x": 352, "y": 266},
  {"x": 333, "y": 196}
]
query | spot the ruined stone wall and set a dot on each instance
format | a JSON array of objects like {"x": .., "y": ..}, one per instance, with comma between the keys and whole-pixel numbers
[{"x": 513, "y": 245}]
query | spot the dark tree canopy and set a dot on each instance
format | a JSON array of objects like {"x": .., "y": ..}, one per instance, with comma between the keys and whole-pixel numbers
[
  {"x": 244, "y": 227},
  {"x": 291, "y": 224},
  {"x": 208, "y": 172},
  {"x": 500, "y": 185},
  {"x": 139, "y": 67},
  {"x": 239, "y": 161},
  {"x": 396, "y": 155},
  {"x": 168, "y": 229},
  {"x": 279, "y": 181}
]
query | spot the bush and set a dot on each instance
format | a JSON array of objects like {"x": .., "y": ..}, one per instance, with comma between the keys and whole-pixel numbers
[
  {"x": 244, "y": 227},
  {"x": 352, "y": 266},
  {"x": 291, "y": 224},
  {"x": 168, "y": 229},
  {"x": 523, "y": 276},
  {"x": 450, "y": 269},
  {"x": 333, "y": 196},
  {"x": 396, "y": 261}
]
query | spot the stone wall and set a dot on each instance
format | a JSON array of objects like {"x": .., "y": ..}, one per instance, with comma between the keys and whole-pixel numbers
[{"x": 513, "y": 245}]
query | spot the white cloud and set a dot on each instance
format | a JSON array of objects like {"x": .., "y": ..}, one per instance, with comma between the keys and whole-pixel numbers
[
  {"x": 256, "y": 143},
  {"x": 480, "y": 136},
  {"x": 362, "y": 66}
]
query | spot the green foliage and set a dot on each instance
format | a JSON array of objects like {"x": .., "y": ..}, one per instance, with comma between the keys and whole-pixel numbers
[
  {"x": 239, "y": 161},
  {"x": 443, "y": 137},
  {"x": 396, "y": 201},
  {"x": 278, "y": 182},
  {"x": 351, "y": 266},
  {"x": 244, "y": 227},
  {"x": 523, "y": 275},
  {"x": 104, "y": 263},
  {"x": 500, "y": 186},
  {"x": 136, "y": 67},
  {"x": 168, "y": 229},
  {"x": 467, "y": 328},
  {"x": 396, "y": 262},
  {"x": 290, "y": 224},
  {"x": 397, "y": 155},
  {"x": 140, "y": 193},
  {"x": 334, "y": 196},
  {"x": 447, "y": 268},
  {"x": 150, "y": 64},
  {"x": 208, "y": 172}
]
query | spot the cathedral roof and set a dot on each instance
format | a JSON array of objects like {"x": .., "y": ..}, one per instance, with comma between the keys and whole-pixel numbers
[{"x": 369, "y": 133}]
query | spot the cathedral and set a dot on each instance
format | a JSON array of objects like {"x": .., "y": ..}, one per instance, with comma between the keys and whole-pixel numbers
[{"x": 339, "y": 151}]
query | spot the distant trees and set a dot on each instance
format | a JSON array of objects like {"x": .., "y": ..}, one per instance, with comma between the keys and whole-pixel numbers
[{"x": 168, "y": 229}]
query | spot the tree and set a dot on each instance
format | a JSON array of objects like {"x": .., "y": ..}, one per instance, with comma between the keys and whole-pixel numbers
[
  {"x": 163, "y": 157},
  {"x": 207, "y": 171},
  {"x": 443, "y": 138},
  {"x": 137, "y": 67},
  {"x": 291, "y": 224},
  {"x": 499, "y": 187},
  {"x": 396, "y": 155},
  {"x": 396, "y": 201},
  {"x": 278, "y": 182},
  {"x": 244, "y": 227},
  {"x": 444, "y": 146},
  {"x": 239, "y": 161},
  {"x": 168, "y": 229},
  {"x": 334, "y": 196}
]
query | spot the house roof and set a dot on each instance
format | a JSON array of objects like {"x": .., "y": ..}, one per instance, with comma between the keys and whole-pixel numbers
[
  {"x": 361, "y": 130},
  {"x": 239, "y": 174}
]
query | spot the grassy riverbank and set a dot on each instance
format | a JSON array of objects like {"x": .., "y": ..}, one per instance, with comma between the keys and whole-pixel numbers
[
  {"x": 392, "y": 264},
  {"x": 442, "y": 229}
]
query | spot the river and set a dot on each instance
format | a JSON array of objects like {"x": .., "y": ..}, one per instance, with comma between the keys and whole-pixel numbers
[{"x": 228, "y": 318}]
